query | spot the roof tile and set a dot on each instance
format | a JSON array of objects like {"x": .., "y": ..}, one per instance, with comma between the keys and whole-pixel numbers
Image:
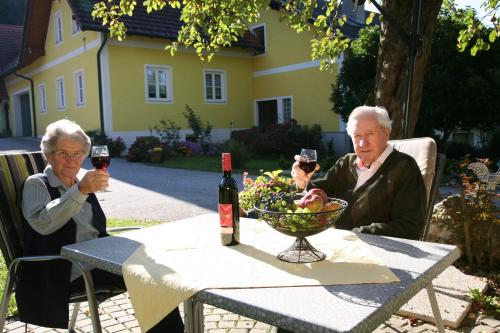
[
  {"x": 11, "y": 37},
  {"x": 161, "y": 24}
]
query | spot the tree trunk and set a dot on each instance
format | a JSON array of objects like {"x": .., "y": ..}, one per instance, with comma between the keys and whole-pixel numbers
[{"x": 390, "y": 80}]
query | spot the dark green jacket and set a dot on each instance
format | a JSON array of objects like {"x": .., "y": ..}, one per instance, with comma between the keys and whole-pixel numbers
[{"x": 391, "y": 203}]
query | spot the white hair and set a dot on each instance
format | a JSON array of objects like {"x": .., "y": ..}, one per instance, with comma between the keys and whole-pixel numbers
[
  {"x": 67, "y": 129},
  {"x": 379, "y": 112}
]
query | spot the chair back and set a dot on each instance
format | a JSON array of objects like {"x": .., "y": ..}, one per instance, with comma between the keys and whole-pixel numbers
[
  {"x": 14, "y": 169},
  {"x": 431, "y": 165}
]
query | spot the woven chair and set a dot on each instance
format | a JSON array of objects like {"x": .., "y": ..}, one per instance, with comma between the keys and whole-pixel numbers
[
  {"x": 14, "y": 169},
  {"x": 431, "y": 165}
]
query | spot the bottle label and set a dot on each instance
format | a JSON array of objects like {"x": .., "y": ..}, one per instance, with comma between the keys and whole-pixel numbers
[{"x": 226, "y": 215}]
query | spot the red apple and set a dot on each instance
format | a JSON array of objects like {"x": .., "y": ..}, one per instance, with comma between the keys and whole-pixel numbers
[
  {"x": 319, "y": 192},
  {"x": 313, "y": 202}
]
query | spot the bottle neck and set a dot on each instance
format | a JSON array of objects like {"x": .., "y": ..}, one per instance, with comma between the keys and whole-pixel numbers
[{"x": 227, "y": 173}]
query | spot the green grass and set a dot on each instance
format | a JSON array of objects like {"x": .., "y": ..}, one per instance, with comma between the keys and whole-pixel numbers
[
  {"x": 213, "y": 163},
  {"x": 116, "y": 223},
  {"x": 112, "y": 223},
  {"x": 12, "y": 310}
]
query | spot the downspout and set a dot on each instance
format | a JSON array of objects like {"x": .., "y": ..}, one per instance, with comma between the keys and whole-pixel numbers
[
  {"x": 99, "y": 83},
  {"x": 32, "y": 101}
]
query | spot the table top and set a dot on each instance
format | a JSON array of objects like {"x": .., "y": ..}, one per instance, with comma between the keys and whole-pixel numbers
[{"x": 338, "y": 308}]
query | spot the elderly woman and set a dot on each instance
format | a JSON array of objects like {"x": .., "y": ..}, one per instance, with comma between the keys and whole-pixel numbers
[
  {"x": 60, "y": 209},
  {"x": 384, "y": 187}
]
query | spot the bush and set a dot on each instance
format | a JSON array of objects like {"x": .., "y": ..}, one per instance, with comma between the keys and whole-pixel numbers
[
  {"x": 169, "y": 134},
  {"x": 246, "y": 136},
  {"x": 493, "y": 148},
  {"x": 201, "y": 133},
  {"x": 189, "y": 148},
  {"x": 138, "y": 151},
  {"x": 447, "y": 226},
  {"x": 307, "y": 137},
  {"x": 280, "y": 139},
  {"x": 458, "y": 150},
  {"x": 240, "y": 154},
  {"x": 283, "y": 163},
  {"x": 469, "y": 220},
  {"x": 115, "y": 146}
]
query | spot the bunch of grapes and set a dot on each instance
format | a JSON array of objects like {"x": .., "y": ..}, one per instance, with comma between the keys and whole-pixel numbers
[{"x": 276, "y": 201}]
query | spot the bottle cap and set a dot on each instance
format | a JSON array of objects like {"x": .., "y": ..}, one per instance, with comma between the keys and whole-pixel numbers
[{"x": 226, "y": 161}]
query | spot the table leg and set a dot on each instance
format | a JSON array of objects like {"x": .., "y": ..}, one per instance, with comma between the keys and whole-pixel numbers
[
  {"x": 89, "y": 288},
  {"x": 435, "y": 308},
  {"x": 193, "y": 316}
]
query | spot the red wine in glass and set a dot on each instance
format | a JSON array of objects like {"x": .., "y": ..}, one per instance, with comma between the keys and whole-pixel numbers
[
  {"x": 307, "y": 165},
  {"x": 101, "y": 162},
  {"x": 307, "y": 162},
  {"x": 100, "y": 158}
]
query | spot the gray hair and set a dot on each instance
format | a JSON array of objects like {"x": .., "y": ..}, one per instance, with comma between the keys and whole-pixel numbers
[
  {"x": 63, "y": 128},
  {"x": 379, "y": 112}
]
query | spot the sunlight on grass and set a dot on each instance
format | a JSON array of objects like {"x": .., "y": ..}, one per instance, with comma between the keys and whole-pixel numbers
[
  {"x": 117, "y": 223},
  {"x": 213, "y": 163},
  {"x": 12, "y": 310},
  {"x": 111, "y": 223}
]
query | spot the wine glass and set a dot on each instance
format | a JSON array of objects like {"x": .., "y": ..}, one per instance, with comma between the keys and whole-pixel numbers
[
  {"x": 100, "y": 158},
  {"x": 307, "y": 162}
]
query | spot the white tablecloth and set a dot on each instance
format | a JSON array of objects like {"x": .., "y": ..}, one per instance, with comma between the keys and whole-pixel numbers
[{"x": 179, "y": 259}]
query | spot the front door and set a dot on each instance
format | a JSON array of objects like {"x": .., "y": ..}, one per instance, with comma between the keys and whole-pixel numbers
[
  {"x": 268, "y": 113},
  {"x": 24, "y": 101}
]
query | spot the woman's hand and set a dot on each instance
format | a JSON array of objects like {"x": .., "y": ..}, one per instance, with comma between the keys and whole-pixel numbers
[
  {"x": 300, "y": 177},
  {"x": 93, "y": 181}
]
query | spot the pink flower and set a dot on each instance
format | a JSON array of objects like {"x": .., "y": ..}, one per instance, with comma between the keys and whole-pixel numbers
[{"x": 246, "y": 179}]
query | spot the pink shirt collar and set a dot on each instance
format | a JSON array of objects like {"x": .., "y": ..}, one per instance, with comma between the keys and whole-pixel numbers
[{"x": 378, "y": 162}]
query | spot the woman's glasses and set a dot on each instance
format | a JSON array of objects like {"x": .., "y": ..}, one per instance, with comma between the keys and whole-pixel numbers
[{"x": 62, "y": 154}]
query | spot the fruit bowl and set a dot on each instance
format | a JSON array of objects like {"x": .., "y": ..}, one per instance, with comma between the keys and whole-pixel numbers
[{"x": 301, "y": 224}]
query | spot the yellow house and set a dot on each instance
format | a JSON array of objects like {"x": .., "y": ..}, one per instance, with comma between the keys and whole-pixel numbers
[{"x": 68, "y": 68}]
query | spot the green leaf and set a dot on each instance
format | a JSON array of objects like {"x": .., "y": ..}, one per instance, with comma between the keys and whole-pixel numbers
[
  {"x": 369, "y": 19},
  {"x": 473, "y": 50},
  {"x": 492, "y": 36}
]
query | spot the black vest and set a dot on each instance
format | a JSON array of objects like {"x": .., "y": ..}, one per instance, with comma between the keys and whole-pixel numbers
[{"x": 42, "y": 291}]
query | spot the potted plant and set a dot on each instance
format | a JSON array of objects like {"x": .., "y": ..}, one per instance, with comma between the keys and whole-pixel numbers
[
  {"x": 469, "y": 219},
  {"x": 155, "y": 154}
]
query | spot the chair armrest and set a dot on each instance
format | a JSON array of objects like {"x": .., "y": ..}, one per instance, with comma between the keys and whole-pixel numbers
[
  {"x": 122, "y": 229},
  {"x": 13, "y": 265}
]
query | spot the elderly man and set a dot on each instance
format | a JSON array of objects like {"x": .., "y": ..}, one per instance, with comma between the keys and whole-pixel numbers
[{"x": 384, "y": 187}]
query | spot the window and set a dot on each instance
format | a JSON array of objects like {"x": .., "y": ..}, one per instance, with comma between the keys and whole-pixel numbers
[
  {"x": 61, "y": 97},
  {"x": 79, "y": 88},
  {"x": 58, "y": 27},
  {"x": 158, "y": 83},
  {"x": 75, "y": 27},
  {"x": 287, "y": 109},
  {"x": 42, "y": 96},
  {"x": 260, "y": 33},
  {"x": 215, "y": 86}
]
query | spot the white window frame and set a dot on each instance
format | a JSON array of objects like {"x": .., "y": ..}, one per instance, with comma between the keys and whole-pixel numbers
[
  {"x": 80, "y": 98},
  {"x": 280, "y": 107},
  {"x": 169, "y": 90},
  {"x": 42, "y": 97},
  {"x": 263, "y": 25},
  {"x": 60, "y": 93},
  {"x": 75, "y": 27},
  {"x": 58, "y": 27},
  {"x": 223, "y": 82}
]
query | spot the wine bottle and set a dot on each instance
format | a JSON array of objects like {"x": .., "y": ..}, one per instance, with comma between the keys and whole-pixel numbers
[{"x": 228, "y": 205}]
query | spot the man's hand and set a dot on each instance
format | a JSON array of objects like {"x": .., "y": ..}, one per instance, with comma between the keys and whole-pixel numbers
[
  {"x": 93, "y": 181},
  {"x": 299, "y": 176}
]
